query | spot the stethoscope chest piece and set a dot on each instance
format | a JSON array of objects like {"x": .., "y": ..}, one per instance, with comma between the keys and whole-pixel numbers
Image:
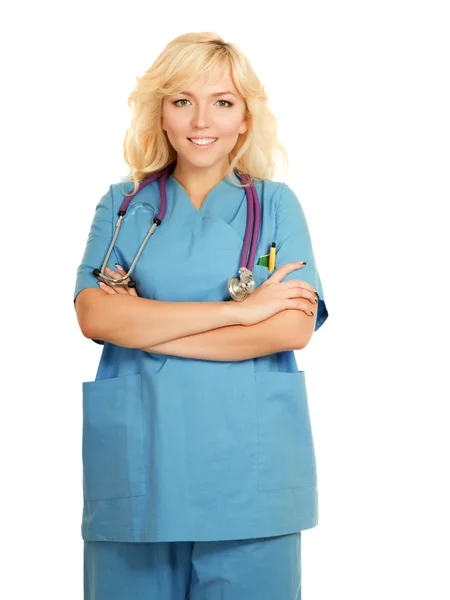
[{"x": 240, "y": 287}]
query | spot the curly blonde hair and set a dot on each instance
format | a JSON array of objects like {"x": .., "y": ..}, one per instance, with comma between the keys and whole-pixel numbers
[{"x": 146, "y": 147}]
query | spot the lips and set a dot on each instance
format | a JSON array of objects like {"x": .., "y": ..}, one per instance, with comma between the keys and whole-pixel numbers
[{"x": 202, "y": 146}]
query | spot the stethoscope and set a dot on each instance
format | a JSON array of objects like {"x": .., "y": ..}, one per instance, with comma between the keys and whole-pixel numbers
[{"x": 239, "y": 286}]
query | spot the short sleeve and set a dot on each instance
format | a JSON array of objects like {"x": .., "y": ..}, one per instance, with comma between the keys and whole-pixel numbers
[
  {"x": 99, "y": 238},
  {"x": 294, "y": 244}
]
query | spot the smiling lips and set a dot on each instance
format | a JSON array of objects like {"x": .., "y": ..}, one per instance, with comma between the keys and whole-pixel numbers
[{"x": 202, "y": 142}]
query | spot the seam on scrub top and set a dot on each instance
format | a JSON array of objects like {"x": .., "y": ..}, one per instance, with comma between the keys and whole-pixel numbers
[
  {"x": 277, "y": 208},
  {"x": 132, "y": 529},
  {"x": 292, "y": 487},
  {"x": 113, "y": 227}
]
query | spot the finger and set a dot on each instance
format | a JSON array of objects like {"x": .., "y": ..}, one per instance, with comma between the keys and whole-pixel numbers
[
  {"x": 106, "y": 288},
  {"x": 282, "y": 271},
  {"x": 303, "y": 306},
  {"x": 131, "y": 291},
  {"x": 306, "y": 289},
  {"x": 111, "y": 274},
  {"x": 118, "y": 289}
]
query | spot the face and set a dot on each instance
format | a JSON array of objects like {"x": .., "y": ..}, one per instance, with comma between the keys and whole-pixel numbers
[{"x": 199, "y": 113}]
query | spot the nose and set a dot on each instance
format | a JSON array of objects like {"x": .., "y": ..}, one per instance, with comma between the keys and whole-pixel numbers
[{"x": 201, "y": 118}]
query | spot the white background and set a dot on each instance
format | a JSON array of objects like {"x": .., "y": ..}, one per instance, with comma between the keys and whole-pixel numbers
[{"x": 361, "y": 92}]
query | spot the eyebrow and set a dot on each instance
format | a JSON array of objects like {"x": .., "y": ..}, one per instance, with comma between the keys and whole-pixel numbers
[{"x": 212, "y": 95}]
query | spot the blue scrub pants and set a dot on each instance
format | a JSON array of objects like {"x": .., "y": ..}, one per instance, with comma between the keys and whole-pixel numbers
[{"x": 263, "y": 568}]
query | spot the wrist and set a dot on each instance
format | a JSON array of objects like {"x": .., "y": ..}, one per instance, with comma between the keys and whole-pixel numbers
[{"x": 232, "y": 312}]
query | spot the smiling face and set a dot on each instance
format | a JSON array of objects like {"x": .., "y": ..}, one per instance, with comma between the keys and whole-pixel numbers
[{"x": 204, "y": 111}]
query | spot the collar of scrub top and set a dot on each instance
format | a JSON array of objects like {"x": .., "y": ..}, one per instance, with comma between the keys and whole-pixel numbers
[{"x": 239, "y": 287}]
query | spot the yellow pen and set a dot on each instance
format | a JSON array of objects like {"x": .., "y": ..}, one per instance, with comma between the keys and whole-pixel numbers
[{"x": 272, "y": 255}]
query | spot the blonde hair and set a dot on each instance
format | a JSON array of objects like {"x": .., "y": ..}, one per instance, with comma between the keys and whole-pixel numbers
[{"x": 146, "y": 147}]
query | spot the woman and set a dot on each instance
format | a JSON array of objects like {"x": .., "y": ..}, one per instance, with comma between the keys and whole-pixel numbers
[{"x": 198, "y": 457}]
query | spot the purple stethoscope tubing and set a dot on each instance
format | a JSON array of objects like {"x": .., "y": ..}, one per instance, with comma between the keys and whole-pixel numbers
[{"x": 251, "y": 232}]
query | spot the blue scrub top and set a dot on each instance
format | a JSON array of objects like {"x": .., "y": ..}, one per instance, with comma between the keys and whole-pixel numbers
[{"x": 182, "y": 449}]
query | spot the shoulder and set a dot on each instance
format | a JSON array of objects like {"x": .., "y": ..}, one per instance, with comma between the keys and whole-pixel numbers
[
  {"x": 276, "y": 193},
  {"x": 269, "y": 186},
  {"x": 121, "y": 189}
]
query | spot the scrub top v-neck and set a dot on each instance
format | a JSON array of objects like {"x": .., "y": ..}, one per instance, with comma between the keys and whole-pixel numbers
[
  {"x": 181, "y": 449},
  {"x": 176, "y": 183}
]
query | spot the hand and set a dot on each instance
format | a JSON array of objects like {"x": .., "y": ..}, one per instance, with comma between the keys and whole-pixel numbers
[
  {"x": 117, "y": 289},
  {"x": 274, "y": 296}
]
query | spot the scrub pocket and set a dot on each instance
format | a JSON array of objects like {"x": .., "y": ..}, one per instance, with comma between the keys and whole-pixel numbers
[
  {"x": 261, "y": 274},
  {"x": 286, "y": 448},
  {"x": 113, "y": 438}
]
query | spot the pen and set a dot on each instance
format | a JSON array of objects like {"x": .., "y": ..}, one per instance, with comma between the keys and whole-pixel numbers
[{"x": 272, "y": 255}]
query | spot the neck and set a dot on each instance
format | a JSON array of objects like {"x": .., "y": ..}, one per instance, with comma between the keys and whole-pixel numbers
[{"x": 199, "y": 181}]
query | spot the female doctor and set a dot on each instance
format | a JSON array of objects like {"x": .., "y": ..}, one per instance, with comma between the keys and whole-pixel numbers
[{"x": 199, "y": 471}]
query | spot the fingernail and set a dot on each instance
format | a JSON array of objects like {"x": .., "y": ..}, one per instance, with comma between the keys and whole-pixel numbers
[
  {"x": 118, "y": 266},
  {"x": 303, "y": 263},
  {"x": 312, "y": 314},
  {"x": 316, "y": 294}
]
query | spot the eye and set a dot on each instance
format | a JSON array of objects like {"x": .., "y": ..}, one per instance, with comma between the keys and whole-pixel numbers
[
  {"x": 176, "y": 102},
  {"x": 185, "y": 100}
]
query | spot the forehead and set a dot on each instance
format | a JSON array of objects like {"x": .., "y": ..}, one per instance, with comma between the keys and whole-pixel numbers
[{"x": 206, "y": 85}]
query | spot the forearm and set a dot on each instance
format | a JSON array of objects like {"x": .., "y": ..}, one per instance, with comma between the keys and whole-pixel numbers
[
  {"x": 135, "y": 322},
  {"x": 233, "y": 343}
]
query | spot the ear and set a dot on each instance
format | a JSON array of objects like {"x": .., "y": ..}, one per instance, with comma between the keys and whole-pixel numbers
[
  {"x": 161, "y": 117},
  {"x": 244, "y": 126}
]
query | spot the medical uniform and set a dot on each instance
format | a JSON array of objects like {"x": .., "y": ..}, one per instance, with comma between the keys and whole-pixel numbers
[{"x": 186, "y": 450}]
